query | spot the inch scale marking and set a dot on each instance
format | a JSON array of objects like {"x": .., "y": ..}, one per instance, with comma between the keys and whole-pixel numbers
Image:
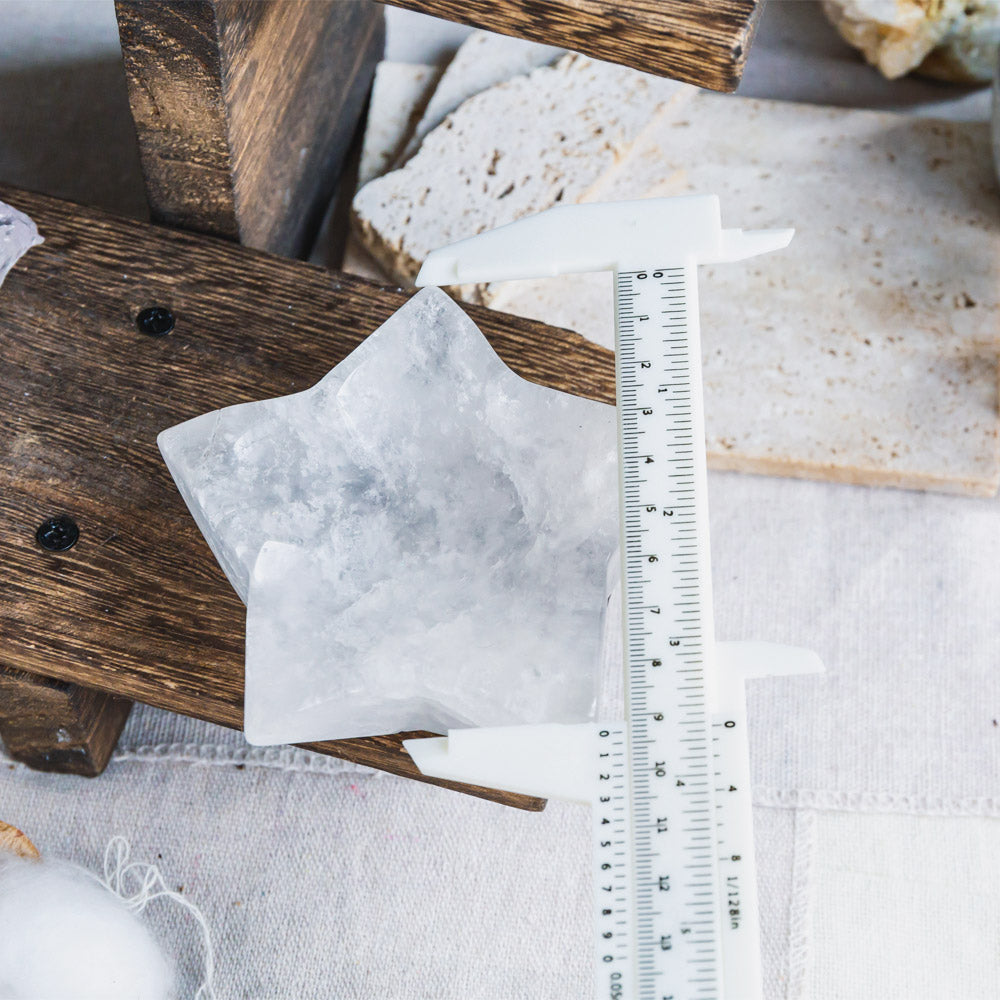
[{"x": 674, "y": 885}]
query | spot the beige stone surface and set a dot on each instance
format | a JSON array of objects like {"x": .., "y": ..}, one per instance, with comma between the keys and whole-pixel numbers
[
  {"x": 867, "y": 351},
  {"x": 482, "y": 61},
  {"x": 518, "y": 148},
  {"x": 400, "y": 92}
]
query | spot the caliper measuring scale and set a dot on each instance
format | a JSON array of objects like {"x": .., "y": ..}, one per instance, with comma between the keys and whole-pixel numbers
[{"x": 675, "y": 882}]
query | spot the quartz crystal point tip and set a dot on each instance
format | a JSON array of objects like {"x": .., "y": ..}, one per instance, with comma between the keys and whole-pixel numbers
[
  {"x": 421, "y": 538},
  {"x": 18, "y": 234}
]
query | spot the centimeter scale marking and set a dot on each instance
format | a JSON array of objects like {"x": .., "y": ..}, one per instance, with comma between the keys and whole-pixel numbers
[{"x": 658, "y": 834}]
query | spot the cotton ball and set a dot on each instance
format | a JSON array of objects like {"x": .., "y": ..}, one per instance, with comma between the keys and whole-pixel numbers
[{"x": 64, "y": 935}]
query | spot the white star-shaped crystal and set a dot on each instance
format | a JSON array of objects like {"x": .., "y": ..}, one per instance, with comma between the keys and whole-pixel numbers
[{"x": 422, "y": 538}]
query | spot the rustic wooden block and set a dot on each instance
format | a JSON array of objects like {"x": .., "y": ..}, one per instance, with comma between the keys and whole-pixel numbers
[
  {"x": 704, "y": 42},
  {"x": 138, "y": 607},
  {"x": 244, "y": 109},
  {"x": 52, "y": 725}
]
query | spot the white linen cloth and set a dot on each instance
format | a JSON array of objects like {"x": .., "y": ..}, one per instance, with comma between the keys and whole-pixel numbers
[
  {"x": 898, "y": 592},
  {"x": 321, "y": 878}
]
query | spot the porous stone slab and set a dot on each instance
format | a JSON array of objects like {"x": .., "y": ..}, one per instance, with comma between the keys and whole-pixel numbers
[
  {"x": 520, "y": 147},
  {"x": 483, "y": 60},
  {"x": 867, "y": 351}
]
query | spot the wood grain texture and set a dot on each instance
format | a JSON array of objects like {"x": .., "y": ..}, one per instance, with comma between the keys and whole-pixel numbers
[
  {"x": 244, "y": 109},
  {"x": 704, "y": 42},
  {"x": 53, "y": 725},
  {"x": 139, "y": 607}
]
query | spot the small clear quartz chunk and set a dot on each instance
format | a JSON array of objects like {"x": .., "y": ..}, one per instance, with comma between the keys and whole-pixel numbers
[
  {"x": 421, "y": 539},
  {"x": 18, "y": 234}
]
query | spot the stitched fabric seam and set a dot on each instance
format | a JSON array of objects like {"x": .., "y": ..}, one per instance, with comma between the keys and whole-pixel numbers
[
  {"x": 298, "y": 760},
  {"x": 278, "y": 758},
  {"x": 875, "y": 802},
  {"x": 800, "y": 907}
]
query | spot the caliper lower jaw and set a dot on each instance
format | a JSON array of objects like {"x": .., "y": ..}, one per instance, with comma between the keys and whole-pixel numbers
[{"x": 555, "y": 761}]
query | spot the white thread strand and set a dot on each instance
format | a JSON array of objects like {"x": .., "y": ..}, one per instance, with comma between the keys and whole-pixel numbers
[{"x": 149, "y": 885}]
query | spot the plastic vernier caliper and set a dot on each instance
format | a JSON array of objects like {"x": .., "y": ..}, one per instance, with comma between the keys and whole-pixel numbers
[{"x": 674, "y": 877}]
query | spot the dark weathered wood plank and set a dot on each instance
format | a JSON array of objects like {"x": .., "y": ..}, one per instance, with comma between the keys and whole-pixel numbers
[
  {"x": 244, "y": 109},
  {"x": 52, "y": 725},
  {"x": 704, "y": 42},
  {"x": 139, "y": 607},
  {"x": 173, "y": 68}
]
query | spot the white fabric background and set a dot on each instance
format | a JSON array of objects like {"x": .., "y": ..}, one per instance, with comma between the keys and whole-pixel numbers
[
  {"x": 320, "y": 881},
  {"x": 877, "y": 853},
  {"x": 898, "y": 592},
  {"x": 903, "y": 906},
  {"x": 338, "y": 885}
]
